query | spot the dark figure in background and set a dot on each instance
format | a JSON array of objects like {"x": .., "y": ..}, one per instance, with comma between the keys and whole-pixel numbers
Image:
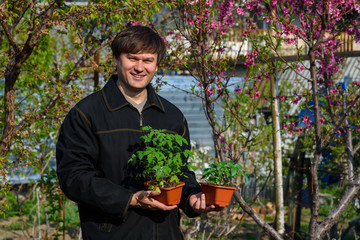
[{"x": 101, "y": 133}]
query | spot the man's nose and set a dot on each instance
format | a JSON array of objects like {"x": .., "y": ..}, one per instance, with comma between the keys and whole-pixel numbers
[{"x": 139, "y": 66}]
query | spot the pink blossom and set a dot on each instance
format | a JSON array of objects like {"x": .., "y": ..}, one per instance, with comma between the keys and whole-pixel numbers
[
  {"x": 357, "y": 36},
  {"x": 322, "y": 120},
  {"x": 206, "y": 13},
  {"x": 357, "y": 83},
  {"x": 240, "y": 11},
  {"x": 210, "y": 91},
  {"x": 238, "y": 90},
  {"x": 220, "y": 50},
  {"x": 357, "y": 128},
  {"x": 266, "y": 99},
  {"x": 290, "y": 40},
  {"x": 215, "y": 24},
  {"x": 190, "y": 21},
  {"x": 230, "y": 21},
  {"x": 281, "y": 98},
  {"x": 164, "y": 39},
  {"x": 192, "y": 2},
  {"x": 250, "y": 61},
  {"x": 299, "y": 130},
  {"x": 351, "y": 31},
  {"x": 225, "y": 10},
  {"x": 273, "y": 4},
  {"x": 306, "y": 120},
  {"x": 296, "y": 101},
  {"x": 136, "y": 23},
  {"x": 209, "y": 2}
]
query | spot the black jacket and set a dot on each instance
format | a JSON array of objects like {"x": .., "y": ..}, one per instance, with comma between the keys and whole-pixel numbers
[{"x": 97, "y": 138}]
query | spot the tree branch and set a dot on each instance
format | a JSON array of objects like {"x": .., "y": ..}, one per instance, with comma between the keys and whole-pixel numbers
[
  {"x": 335, "y": 214},
  {"x": 255, "y": 216}
]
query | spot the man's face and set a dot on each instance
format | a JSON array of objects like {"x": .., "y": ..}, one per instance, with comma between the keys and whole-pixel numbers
[{"x": 136, "y": 70}]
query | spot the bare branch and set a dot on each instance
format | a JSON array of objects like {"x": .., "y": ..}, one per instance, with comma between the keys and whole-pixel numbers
[
  {"x": 356, "y": 148},
  {"x": 335, "y": 214},
  {"x": 274, "y": 234},
  {"x": 329, "y": 138}
]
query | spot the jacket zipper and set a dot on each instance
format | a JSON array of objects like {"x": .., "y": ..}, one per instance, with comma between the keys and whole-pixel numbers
[{"x": 141, "y": 120}]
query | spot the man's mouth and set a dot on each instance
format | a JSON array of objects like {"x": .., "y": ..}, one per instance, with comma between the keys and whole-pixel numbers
[{"x": 138, "y": 75}]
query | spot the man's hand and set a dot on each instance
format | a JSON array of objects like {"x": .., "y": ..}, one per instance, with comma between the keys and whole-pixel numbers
[
  {"x": 145, "y": 200},
  {"x": 198, "y": 204}
]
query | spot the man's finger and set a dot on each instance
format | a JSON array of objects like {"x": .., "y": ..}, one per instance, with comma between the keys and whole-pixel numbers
[
  {"x": 203, "y": 202},
  {"x": 153, "y": 193},
  {"x": 198, "y": 204},
  {"x": 160, "y": 206}
]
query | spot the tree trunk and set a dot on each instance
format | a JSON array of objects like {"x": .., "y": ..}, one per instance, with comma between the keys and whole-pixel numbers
[
  {"x": 295, "y": 190},
  {"x": 314, "y": 183},
  {"x": 279, "y": 194},
  {"x": 9, "y": 116}
]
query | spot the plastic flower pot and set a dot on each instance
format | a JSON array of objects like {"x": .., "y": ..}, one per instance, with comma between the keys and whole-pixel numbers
[
  {"x": 169, "y": 196},
  {"x": 219, "y": 196}
]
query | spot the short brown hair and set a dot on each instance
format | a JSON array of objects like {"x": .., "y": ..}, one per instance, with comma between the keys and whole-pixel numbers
[{"x": 138, "y": 39}]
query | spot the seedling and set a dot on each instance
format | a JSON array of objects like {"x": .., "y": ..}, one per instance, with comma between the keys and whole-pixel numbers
[
  {"x": 162, "y": 158},
  {"x": 222, "y": 173}
]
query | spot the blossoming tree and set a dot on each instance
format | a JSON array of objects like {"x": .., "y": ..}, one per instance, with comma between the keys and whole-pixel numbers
[
  {"x": 199, "y": 43},
  {"x": 313, "y": 28}
]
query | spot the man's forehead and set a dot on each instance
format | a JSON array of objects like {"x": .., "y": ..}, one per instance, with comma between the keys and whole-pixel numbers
[{"x": 143, "y": 54}]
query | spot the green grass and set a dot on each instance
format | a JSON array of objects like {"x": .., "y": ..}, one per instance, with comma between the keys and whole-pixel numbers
[{"x": 28, "y": 209}]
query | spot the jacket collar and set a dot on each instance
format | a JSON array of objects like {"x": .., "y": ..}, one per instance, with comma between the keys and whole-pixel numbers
[{"x": 115, "y": 100}]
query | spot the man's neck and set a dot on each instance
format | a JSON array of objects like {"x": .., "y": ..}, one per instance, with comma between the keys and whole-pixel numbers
[{"x": 136, "y": 96}]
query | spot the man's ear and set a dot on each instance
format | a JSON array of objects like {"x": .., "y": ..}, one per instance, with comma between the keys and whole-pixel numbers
[{"x": 116, "y": 61}]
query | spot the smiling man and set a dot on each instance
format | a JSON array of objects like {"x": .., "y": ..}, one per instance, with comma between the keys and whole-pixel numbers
[{"x": 101, "y": 133}]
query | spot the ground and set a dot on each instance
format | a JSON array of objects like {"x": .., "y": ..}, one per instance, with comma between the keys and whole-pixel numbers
[{"x": 11, "y": 229}]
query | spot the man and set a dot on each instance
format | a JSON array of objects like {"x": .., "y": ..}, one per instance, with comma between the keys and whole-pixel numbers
[{"x": 100, "y": 134}]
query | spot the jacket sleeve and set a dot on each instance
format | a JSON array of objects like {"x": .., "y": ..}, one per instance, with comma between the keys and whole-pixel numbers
[
  {"x": 76, "y": 156},
  {"x": 191, "y": 185}
]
